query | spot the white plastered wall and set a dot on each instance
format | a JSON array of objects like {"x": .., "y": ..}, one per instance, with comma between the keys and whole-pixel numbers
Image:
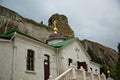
[
  {"x": 76, "y": 53},
  {"x": 6, "y": 61},
  {"x": 22, "y": 45},
  {"x": 95, "y": 67}
]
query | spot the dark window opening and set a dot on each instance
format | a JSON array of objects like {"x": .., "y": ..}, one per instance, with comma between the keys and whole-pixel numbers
[
  {"x": 69, "y": 61},
  {"x": 95, "y": 70},
  {"x": 90, "y": 68},
  {"x": 30, "y": 60},
  {"x": 83, "y": 64}
]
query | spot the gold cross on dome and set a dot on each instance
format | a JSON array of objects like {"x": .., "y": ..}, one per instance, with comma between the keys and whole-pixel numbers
[{"x": 55, "y": 28}]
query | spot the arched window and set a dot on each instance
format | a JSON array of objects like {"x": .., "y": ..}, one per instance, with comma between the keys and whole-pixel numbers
[{"x": 30, "y": 60}]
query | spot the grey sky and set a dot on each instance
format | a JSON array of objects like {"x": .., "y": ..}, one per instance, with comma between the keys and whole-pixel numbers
[{"x": 96, "y": 20}]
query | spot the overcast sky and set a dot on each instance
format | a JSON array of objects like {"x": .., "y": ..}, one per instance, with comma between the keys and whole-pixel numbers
[{"x": 95, "y": 20}]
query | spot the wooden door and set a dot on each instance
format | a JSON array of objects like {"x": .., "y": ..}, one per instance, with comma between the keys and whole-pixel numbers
[
  {"x": 78, "y": 65},
  {"x": 46, "y": 68}
]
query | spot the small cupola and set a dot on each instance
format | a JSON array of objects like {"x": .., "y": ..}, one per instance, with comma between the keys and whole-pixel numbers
[{"x": 55, "y": 37}]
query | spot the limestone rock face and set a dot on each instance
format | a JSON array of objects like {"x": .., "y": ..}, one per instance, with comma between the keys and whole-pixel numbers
[
  {"x": 10, "y": 20},
  {"x": 105, "y": 54},
  {"x": 62, "y": 25}
]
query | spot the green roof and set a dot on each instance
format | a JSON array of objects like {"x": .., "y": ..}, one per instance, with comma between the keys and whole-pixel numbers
[
  {"x": 11, "y": 33},
  {"x": 6, "y": 36},
  {"x": 64, "y": 43}
]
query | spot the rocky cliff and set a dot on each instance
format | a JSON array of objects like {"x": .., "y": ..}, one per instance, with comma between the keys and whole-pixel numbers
[
  {"x": 100, "y": 53},
  {"x": 10, "y": 20},
  {"x": 62, "y": 25}
]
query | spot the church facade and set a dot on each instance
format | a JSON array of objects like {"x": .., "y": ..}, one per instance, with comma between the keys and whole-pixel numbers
[
  {"x": 23, "y": 57},
  {"x": 25, "y": 54}
]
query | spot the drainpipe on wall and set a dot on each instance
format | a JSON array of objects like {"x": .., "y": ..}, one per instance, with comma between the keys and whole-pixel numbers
[
  {"x": 57, "y": 61},
  {"x": 13, "y": 57},
  {"x": 13, "y": 60}
]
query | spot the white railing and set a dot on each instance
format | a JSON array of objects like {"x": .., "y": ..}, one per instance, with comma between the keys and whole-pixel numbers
[
  {"x": 79, "y": 74},
  {"x": 63, "y": 74}
]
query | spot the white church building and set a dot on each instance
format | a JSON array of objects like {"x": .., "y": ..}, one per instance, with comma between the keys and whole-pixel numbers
[{"x": 23, "y": 57}]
